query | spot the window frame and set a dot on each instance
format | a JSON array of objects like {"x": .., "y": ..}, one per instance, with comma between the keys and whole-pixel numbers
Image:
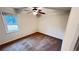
[{"x": 5, "y": 24}]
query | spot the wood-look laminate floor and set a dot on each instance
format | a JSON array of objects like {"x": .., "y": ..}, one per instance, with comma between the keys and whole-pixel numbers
[{"x": 34, "y": 42}]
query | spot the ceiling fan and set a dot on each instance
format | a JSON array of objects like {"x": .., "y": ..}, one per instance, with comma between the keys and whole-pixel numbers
[
  {"x": 34, "y": 10},
  {"x": 37, "y": 11}
]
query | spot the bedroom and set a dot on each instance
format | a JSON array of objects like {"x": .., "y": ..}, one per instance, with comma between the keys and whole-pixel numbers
[{"x": 42, "y": 23}]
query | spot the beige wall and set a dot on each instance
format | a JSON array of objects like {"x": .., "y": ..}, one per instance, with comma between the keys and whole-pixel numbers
[
  {"x": 72, "y": 30},
  {"x": 27, "y": 25},
  {"x": 53, "y": 23}
]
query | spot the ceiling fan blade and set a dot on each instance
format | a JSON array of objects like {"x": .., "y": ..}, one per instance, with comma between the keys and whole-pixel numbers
[{"x": 42, "y": 12}]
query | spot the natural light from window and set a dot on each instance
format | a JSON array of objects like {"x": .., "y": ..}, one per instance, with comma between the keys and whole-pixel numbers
[{"x": 11, "y": 23}]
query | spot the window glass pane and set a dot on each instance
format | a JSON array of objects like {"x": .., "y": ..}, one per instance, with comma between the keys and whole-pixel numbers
[{"x": 11, "y": 23}]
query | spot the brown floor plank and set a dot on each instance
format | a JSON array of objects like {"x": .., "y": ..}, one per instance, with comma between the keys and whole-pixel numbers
[{"x": 34, "y": 42}]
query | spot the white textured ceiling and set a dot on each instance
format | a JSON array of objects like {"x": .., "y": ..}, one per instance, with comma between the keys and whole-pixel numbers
[
  {"x": 60, "y": 8},
  {"x": 52, "y": 8}
]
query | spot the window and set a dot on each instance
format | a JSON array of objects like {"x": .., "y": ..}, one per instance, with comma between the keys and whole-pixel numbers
[{"x": 10, "y": 23}]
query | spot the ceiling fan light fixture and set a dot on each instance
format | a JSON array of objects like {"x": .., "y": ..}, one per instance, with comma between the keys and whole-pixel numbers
[{"x": 34, "y": 13}]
